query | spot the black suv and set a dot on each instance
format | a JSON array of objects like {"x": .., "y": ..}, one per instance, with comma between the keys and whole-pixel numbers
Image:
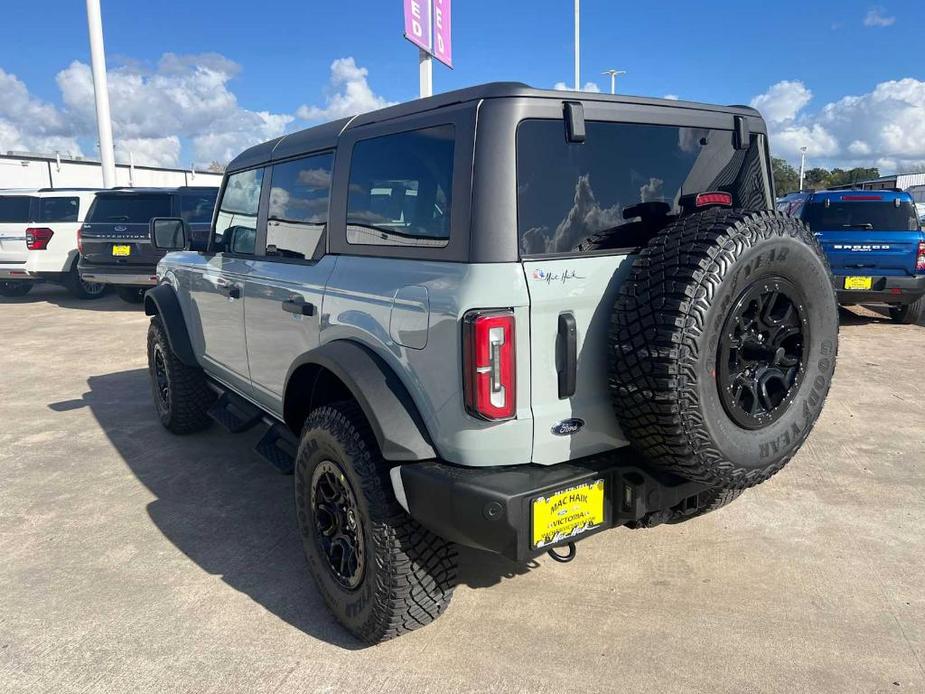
[{"x": 114, "y": 244}]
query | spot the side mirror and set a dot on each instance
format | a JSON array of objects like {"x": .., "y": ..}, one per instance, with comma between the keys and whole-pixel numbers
[
  {"x": 169, "y": 233},
  {"x": 241, "y": 240}
]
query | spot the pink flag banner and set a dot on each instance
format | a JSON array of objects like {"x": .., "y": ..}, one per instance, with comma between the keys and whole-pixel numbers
[
  {"x": 419, "y": 23},
  {"x": 443, "y": 34}
]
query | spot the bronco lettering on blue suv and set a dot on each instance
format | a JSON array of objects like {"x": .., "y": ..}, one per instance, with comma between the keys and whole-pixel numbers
[{"x": 499, "y": 317}]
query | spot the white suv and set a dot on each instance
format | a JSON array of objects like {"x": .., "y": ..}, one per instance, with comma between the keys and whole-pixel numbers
[{"x": 39, "y": 237}]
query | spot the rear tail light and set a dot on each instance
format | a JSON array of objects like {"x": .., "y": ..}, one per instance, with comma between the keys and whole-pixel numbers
[
  {"x": 80, "y": 241},
  {"x": 489, "y": 368},
  {"x": 37, "y": 238},
  {"x": 920, "y": 258}
]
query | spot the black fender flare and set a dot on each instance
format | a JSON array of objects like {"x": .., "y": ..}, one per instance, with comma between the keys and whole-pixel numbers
[
  {"x": 162, "y": 302},
  {"x": 384, "y": 399}
]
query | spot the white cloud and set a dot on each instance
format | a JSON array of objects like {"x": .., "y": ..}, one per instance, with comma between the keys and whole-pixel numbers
[
  {"x": 876, "y": 17},
  {"x": 27, "y": 123},
  {"x": 184, "y": 96},
  {"x": 884, "y": 127},
  {"x": 349, "y": 94},
  {"x": 152, "y": 151},
  {"x": 589, "y": 87},
  {"x": 783, "y": 101}
]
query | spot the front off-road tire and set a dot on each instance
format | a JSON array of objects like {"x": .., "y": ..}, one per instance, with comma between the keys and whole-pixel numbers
[
  {"x": 908, "y": 314},
  {"x": 379, "y": 571},
  {"x": 182, "y": 396},
  {"x": 723, "y": 345}
]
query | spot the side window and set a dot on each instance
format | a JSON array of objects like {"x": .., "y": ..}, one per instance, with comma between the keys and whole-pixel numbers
[
  {"x": 236, "y": 223},
  {"x": 298, "y": 212},
  {"x": 400, "y": 189},
  {"x": 58, "y": 209},
  {"x": 197, "y": 209}
]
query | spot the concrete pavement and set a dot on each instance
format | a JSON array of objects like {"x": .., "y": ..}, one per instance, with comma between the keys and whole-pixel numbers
[{"x": 134, "y": 560}]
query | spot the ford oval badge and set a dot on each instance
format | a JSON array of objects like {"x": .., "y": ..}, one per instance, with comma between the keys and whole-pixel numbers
[
  {"x": 120, "y": 228},
  {"x": 567, "y": 427}
]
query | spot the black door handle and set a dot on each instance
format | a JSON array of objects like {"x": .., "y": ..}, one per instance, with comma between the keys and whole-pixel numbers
[
  {"x": 568, "y": 341},
  {"x": 232, "y": 292},
  {"x": 298, "y": 306}
]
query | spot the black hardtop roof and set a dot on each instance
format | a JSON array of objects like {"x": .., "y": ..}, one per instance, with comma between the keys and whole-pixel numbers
[
  {"x": 160, "y": 191},
  {"x": 325, "y": 136}
]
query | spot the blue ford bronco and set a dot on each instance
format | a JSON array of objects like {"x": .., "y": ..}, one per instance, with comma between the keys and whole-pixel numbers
[
  {"x": 874, "y": 243},
  {"x": 499, "y": 317}
]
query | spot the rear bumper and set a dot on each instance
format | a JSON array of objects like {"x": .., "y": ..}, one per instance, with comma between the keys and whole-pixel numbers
[
  {"x": 491, "y": 508},
  {"x": 14, "y": 271},
  {"x": 131, "y": 276},
  {"x": 890, "y": 290}
]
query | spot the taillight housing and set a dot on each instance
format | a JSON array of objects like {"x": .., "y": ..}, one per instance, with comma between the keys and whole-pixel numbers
[
  {"x": 37, "y": 238},
  {"x": 80, "y": 241},
  {"x": 489, "y": 364},
  {"x": 920, "y": 258}
]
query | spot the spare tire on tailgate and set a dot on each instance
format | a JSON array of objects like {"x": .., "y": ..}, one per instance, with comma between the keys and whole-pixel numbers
[{"x": 723, "y": 345}]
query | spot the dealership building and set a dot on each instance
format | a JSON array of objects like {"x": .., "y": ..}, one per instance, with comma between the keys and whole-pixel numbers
[{"x": 26, "y": 170}]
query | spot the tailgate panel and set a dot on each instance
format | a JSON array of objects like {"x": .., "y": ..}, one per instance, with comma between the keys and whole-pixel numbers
[{"x": 587, "y": 288}]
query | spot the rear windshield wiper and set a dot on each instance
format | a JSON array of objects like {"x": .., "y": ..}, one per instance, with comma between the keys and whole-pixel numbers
[{"x": 866, "y": 225}]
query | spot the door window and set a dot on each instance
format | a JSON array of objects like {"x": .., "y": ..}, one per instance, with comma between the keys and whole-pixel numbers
[
  {"x": 400, "y": 189},
  {"x": 14, "y": 208},
  {"x": 58, "y": 209},
  {"x": 236, "y": 222},
  {"x": 298, "y": 212},
  {"x": 197, "y": 209}
]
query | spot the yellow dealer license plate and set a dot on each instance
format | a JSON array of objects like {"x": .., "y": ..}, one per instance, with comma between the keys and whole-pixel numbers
[
  {"x": 563, "y": 515},
  {"x": 858, "y": 282},
  {"x": 122, "y": 250}
]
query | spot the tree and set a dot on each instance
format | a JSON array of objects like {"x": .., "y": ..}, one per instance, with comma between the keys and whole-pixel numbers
[
  {"x": 816, "y": 178},
  {"x": 786, "y": 179},
  {"x": 216, "y": 167}
]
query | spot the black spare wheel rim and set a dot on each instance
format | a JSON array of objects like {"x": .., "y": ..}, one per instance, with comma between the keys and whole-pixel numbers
[
  {"x": 760, "y": 361},
  {"x": 338, "y": 530},
  {"x": 161, "y": 379}
]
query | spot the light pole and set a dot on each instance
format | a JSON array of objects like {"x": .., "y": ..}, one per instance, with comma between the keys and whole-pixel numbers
[
  {"x": 577, "y": 46},
  {"x": 613, "y": 78},
  {"x": 802, "y": 166},
  {"x": 101, "y": 90}
]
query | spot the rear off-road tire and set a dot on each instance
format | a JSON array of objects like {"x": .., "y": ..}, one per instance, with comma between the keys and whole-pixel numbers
[
  {"x": 380, "y": 572},
  {"x": 182, "y": 396},
  {"x": 723, "y": 345}
]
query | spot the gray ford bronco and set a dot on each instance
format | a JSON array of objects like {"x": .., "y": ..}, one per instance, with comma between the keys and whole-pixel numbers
[{"x": 499, "y": 317}]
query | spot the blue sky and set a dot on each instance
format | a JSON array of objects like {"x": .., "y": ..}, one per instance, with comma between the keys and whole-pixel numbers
[{"x": 277, "y": 60}]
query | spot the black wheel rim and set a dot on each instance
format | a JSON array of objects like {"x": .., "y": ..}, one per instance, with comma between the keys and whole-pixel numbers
[
  {"x": 338, "y": 530},
  {"x": 760, "y": 361},
  {"x": 161, "y": 379}
]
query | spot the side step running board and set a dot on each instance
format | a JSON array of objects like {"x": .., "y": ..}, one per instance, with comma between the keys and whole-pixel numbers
[
  {"x": 235, "y": 414},
  {"x": 278, "y": 447}
]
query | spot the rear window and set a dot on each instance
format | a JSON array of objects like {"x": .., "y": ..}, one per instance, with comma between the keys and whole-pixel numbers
[
  {"x": 58, "y": 209},
  {"x": 131, "y": 209},
  {"x": 197, "y": 209},
  {"x": 14, "y": 209},
  {"x": 866, "y": 215},
  {"x": 401, "y": 189},
  {"x": 626, "y": 179}
]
